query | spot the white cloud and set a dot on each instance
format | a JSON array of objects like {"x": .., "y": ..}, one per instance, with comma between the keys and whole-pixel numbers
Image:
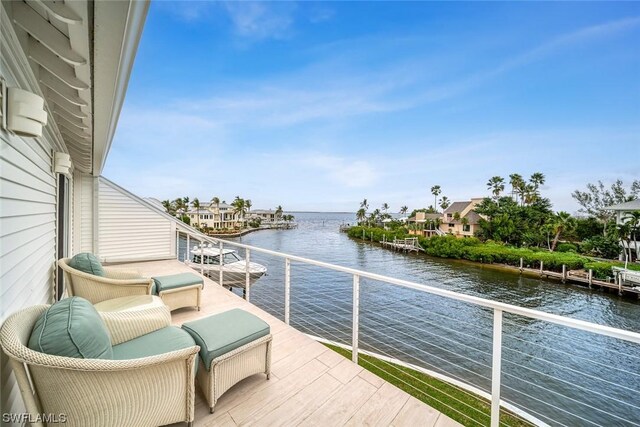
[{"x": 261, "y": 20}]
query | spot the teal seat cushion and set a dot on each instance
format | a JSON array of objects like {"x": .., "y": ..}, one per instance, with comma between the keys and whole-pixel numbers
[
  {"x": 164, "y": 283},
  {"x": 73, "y": 328},
  {"x": 161, "y": 341},
  {"x": 87, "y": 263},
  {"x": 221, "y": 333}
]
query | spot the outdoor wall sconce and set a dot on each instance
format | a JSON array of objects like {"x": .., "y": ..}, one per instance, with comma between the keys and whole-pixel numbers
[
  {"x": 22, "y": 112},
  {"x": 61, "y": 163}
]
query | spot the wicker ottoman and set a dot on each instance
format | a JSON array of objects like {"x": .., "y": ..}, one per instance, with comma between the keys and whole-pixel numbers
[
  {"x": 233, "y": 345},
  {"x": 179, "y": 290}
]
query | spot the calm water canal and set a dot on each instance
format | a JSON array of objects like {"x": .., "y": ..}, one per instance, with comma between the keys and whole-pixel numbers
[{"x": 561, "y": 376}]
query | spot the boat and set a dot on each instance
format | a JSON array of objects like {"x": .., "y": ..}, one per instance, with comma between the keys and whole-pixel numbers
[{"x": 234, "y": 268}]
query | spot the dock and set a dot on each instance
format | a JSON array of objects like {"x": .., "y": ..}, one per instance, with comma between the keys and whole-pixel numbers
[
  {"x": 409, "y": 244},
  {"x": 618, "y": 282}
]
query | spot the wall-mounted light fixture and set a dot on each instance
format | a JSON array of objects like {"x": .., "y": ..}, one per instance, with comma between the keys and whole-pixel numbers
[
  {"x": 23, "y": 112},
  {"x": 62, "y": 163}
]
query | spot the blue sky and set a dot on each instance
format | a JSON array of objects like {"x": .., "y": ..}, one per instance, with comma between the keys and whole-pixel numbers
[{"x": 316, "y": 106}]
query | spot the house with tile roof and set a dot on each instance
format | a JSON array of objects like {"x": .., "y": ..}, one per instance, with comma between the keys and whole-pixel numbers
[{"x": 460, "y": 219}]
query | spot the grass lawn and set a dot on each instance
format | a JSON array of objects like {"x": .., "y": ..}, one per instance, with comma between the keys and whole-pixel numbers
[{"x": 456, "y": 403}]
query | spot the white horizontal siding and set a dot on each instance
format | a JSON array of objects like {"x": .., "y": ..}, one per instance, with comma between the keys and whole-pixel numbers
[
  {"x": 129, "y": 229},
  {"x": 27, "y": 238}
]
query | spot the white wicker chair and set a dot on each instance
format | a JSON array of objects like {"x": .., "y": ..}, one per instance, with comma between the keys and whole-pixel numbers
[
  {"x": 149, "y": 391},
  {"x": 116, "y": 283}
]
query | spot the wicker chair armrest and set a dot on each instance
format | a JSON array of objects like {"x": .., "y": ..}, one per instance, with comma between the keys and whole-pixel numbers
[
  {"x": 126, "y": 325},
  {"x": 31, "y": 357},
  {"x": 116, "y": 273}
]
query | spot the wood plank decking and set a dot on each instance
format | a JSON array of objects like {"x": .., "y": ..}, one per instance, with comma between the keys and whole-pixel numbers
[{"x": 310, "y": 384}]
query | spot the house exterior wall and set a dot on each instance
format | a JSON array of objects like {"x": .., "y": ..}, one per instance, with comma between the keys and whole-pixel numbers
[
  {"x": 215, "y": 219},
  {"x": 458, "y": 229},
  {"x": 130, "y": 228},
  {"x": 28, "y": 211}
]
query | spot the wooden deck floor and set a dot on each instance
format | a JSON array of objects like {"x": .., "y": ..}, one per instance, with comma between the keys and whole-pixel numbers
[{"x": 310, "y": 384}]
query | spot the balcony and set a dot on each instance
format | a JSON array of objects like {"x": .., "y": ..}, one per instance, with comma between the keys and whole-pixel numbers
[
  {"x": 310, "y": 384},
  {"x": 500, "y": 364}
]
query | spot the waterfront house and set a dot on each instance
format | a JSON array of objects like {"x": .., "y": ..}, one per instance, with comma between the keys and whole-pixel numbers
[
  {"x": 217, "y": 216},
  {"x": 266, "y": 216},
  {"x": 425, "y": 224},
  {"x": 460, "y": 219},
  {"x": 622, "y": 213}
]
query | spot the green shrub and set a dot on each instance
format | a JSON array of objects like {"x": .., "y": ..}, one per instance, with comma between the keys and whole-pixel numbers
[
  {"x": 473, "y": 249},
  {"x": 566, "y": 247},
  {"x": 602, "y": 269}
]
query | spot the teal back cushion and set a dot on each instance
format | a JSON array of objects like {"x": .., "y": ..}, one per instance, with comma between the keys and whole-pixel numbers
[
  {"x": 73, "y": 328},
  {"x": 87, "y": 263}
]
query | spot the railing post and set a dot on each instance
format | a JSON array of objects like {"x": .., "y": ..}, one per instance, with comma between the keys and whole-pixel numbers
[
  {"x": 178, "y": 245},
  {"x": 356, "y": 318},
  {"x": 201, "y": 257},
  {"x": 496, "y": 368},
  {"x": 221, "y": 259},
  {"x": 521, "y": 264},
  {"x": 187, "y": 256},
  {"x": 287, "y": 288},
  {"x": 590, "y": 278},
  {"x": 564, "y": 273},
  {"x": 247, "y": 284},
  {"x": 541, "y": 267}
]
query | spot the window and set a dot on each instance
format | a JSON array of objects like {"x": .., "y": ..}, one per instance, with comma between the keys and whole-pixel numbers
[
  {"x": 466, "y": 227},
  {"x": 452, "y": 225}
]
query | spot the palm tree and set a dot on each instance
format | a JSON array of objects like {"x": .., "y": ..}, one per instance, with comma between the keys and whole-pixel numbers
[
  {"x": 279, "y": 212},
  {"x": 445, "y": 203},
  {"x": 537, "y": 179},
  {"x": 517, "y": 183},
  {"x": 385, "y": 207},
  {"x": 361, "y": 215},
  {"x": 179, "y": 205},
  {"x": 375, "y": 216},
  {"x": 456, "y": 216},
  {"x": 624, "y": 234},
  {"x": 168, "y": 206},
  {"x": 196, "y": 206},
  {"x": 239, "y": 207},
  {"x": 185, "y": 203},
  {"x": 435, "y": 190},
  {"x": 529, "y": 194},
  {"x": 364, "y": 204},
  {"x": 215, "y": 200},
  {"x": 248, "y": 204},
  {"x": 404, "y": 210},
  {"x": 496, "y": 185},
  {"x": 562, "y": 222}
]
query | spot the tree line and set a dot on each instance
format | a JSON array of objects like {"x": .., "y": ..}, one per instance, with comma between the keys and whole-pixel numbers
[{"x": 516, "y": 213}]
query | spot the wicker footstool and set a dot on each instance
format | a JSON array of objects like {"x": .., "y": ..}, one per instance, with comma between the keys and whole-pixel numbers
[
  {"x": 233, "y": 345},
  {"x": 179, "y": 290}
]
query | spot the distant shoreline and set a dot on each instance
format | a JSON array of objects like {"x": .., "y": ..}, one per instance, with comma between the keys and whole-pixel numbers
[{"x": 324, "y": 212}]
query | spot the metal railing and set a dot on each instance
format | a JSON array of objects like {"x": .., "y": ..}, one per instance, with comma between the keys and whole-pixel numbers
[{"x": 497, "y": 310}]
